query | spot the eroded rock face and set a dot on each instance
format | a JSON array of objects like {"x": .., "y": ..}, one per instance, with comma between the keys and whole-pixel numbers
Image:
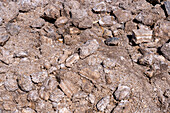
[{"x": 84, "y": 56}]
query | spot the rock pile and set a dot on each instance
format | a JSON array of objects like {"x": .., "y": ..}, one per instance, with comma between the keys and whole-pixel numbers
[{"x": 84, "y": 56}]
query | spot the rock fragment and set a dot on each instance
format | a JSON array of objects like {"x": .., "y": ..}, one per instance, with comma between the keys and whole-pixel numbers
[
  {"x": 102, "y": 104},
  {"x": 27, "y": 110},
  {"x": 4, "y": 39},
  {"x": 38, "y": 23},
  {"x": 86, "y": 23},
  {"x": 39, "y": 76},
  {"x": 51, "y": 12},
  {"x": 113, "y": 41},
  {"x": 74, "y": 30},
  {"x": 44, "y": 93},
  {"x": 167, "y": 7},
  {"x": 11, "y": 84},
  {"x": 13, "y": 29},
  {"x": 147, "y": 59},
  {"x": 167, "y": 93},
  {"x": 142, "y": 35},
  {"x": 88, "y": 48},
  {"x": 68, "y": 88},
  {"x": 1, "y": 21},
  {"x": 90, "y": 74},
  {"x": 56, "y": 95},
  {"x": 64, "y": 110},
  {"x": 72, "y": 59},
  {"x": 165, "y": 49},
  {"x": 25, "y": 82},
  {"x": 61, "y": 21},
  {"x": 100, "y": 7},
  {"x": 33, "y": 95},
  {"x": 122, "y": 92},
  {"x": 9, "y": 12},
  {"x": 122, "y": 15},
  {"x": 91, "y": 98},
  {"x": 106, "y": 21},
  {"x": 21, "y": 54}
]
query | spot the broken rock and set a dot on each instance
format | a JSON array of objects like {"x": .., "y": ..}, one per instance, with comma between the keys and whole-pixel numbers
[
  {"x": 100, "y": 7},
  {"x": 122, "y": 15},
  {"x": 102, "y": 104},
  {"x": 4, "y": 39},
  {"x": 25, "y": 82},
  {"x": 72, "y": 59},
  {"x": 106, "y": 21},
  {"x": 112, "y": 41},
  {"x": 39, "y": 76},
  {"x": 13, "y": 29},
  {"x": 142, "y": 35},
  {"x": 90, "y": 74},
  {"x": 68, "y": 88},
  {"x": 165, "y": 49},
  {"x": 88, "y": 48},
  {"x": 86, "y": 23},
  {"x": 61, "y": 21},
  {"x": 122, "y": 92},
  {"x": 167, "y": 7}
]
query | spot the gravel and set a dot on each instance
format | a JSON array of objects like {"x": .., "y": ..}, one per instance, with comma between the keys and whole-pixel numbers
[{"x": 84, "y": 56}]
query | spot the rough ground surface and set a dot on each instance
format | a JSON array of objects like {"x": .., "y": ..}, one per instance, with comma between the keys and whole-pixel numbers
[{"x": 84, "y": 56}]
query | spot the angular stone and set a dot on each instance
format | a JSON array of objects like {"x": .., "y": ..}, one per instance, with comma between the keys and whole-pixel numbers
[
  {"x": 100, "y": 7},
  {"x": 147, "y": 59},
  {"x": 9, "y": 105},
  {"x": 112, "y": 41},
  {"x": 89, "y": 48},
  {"x": 90, "y": 74},
  {"x": 3, "y": 39},
  {"x": 51, "y": 12},
  {"x": 68, "y": 88},
  {"x": 78, "y": 15},
  {"x": 129, "y": 26},
  {"x": 86, "y": 23},
  {"x": 71, "y": 40},
  {"x": 9, "y": 12},
  {"x": 101, "y": 105},
  {"x": 20, "y": 54},
  {"x": 13, "y": 29},
  {"x": 106, "y": 21},
  {"x": 122, "y": 15},
  {"x": 122, "y": 92},
  {"x": 142, "y": 35},
  {"x": 167, "y": 7},
  {"x": 107, "y": 33},
  {"x": 161, "y": 31},
  {"x": 72, "y": 59},
  {"x": 74, "y": 30},
  {"x": 1, "y": 21},
  {"x": 64, "y": 56},
  {"x": 43, "y": 106},
  {"x": 165, "y": 49},
  {"x": 27, "y": 110},
  {"x": 44, "y": 94},
  {"x": 56, "y": 95},
  {"x": 11, "y": 84},
  {"x": 91, "y": 98},
  {"x": 33, "y": 95},
  {"x": 39, "y": 76},
  {"x": 38, "y": 23},
  {"x": 64, "y": 110},
  {"x": 25, "y": 82},
  {"x": 61, "y": 21}
]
